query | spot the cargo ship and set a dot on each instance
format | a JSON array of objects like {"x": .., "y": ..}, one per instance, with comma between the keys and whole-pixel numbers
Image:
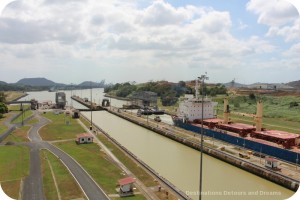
[{"x": 280, "y": 144}]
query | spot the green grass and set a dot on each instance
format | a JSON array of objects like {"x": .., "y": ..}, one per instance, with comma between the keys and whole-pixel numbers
[
  {"x": 12, "y": 188},
  {"x": 48, "y": 182},
  {"x": 33, "y": 121},
  {"x": 58, "y": 129},
  {"x": 277, "y": 113},
  {"x": 27, "y": 114},
  {"x": 17, "y": 107},
  {"x": 96, "y": 163},
  {"x": 14, "y": 162},
  {"x": 18, "y": 135},
  {"x": 136, "y": 197},
  {"x": 12, "y": 95},
  {"x": 131, "y": 165},
  {"x": 172, "y": 109},
  {"x": 2, "y": 126},
  {"x": 68, "y": 187}
]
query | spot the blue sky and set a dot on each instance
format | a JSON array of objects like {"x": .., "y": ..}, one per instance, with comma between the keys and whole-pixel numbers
[{"x": 71, "y": 41}]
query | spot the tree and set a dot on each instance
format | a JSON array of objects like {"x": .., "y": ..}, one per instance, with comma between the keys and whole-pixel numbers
[
  {"x": 3, "y": 108},
  {"x": 2, "y": 97},
  {"x": 252, "y": 96}
]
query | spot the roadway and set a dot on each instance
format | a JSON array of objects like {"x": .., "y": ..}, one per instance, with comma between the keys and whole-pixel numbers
[{"x": 33, "y": 185}]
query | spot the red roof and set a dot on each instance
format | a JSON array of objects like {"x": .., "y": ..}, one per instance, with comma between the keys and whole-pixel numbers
[
  {"x": 126, "y": 181},
  {"x": 83, "y": 135}
]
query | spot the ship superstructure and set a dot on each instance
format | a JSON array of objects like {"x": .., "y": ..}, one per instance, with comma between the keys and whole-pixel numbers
[{"x": 190, "y": 107}]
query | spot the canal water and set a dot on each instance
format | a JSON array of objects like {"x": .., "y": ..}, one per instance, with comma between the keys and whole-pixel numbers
[{"x": 176, "y": 162}]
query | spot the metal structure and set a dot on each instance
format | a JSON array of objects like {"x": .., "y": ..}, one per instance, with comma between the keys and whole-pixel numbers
[
  {"x": 60, "y": 100},
  {"x": 201, "y": 78},
  {"x": 144, "y": 98}
]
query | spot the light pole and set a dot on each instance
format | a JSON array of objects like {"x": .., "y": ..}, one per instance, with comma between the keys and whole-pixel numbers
[
  {"x": 91, "y": 126},
  {"x": 22, "y": 114},
  {"x": 201, "y": 78}
]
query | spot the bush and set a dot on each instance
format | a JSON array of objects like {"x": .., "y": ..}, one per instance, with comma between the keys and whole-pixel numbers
[{"x": 293, "y": 104}]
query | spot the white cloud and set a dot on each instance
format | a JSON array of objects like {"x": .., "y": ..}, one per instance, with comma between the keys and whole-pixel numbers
[
  {"x": 280, "y": 15},
  {"x": 289, "y": 32},
  {"x": 96, "y": 37},
  {"x": 273, "y": 12}
]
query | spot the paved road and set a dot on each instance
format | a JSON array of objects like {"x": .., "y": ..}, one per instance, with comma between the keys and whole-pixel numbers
[
  {"x": 33, "y": 184},
  {"x": 33, "y": 189}
]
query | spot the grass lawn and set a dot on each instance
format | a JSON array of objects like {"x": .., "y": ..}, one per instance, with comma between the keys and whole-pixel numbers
[
  {"x": 27, "y": 114},
  {"x": 58, "y": 129},
  {"x": 18, "y": 135},
  {"x": 12, "y": 95},
  {"x": 14, "y": 166},
  {"x": 67, "y": 186},
  {"x": 48, "y": 182},
  {"x": 96, "y": 163},
  {"x": 2, "y": 126},
  {"x": 131, "y": 165},
  {"x": 12, "y": 188},
  {"x": 277, "y": 111}
]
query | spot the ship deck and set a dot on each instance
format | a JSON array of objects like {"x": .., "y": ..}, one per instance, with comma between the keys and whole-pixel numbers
[{"x": 294, "y": 148}]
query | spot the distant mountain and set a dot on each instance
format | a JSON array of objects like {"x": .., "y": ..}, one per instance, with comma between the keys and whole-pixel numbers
[
  {"x": 3, "y": 83},
  {"x": 36, "y": 82},
  {"x": 87, "y": 84},
  {"x": 294, "y": 84},
  {"x": 235, "y": 85}
]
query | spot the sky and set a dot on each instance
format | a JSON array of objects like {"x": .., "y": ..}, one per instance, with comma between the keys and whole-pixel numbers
[{"x": 71, "y": 41}]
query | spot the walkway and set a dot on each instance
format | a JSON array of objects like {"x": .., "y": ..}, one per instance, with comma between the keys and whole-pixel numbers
[{"x": 33, "y": 190}]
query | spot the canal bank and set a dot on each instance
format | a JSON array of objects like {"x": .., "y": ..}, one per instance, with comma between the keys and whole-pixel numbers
[
  {"x": 179, "y": 163},
  {"x": 163, "y": 182},
  {"x": 270, "y": 175}
]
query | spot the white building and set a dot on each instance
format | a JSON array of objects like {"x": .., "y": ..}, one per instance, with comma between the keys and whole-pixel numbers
[
  {"x": 191, "y": 108},
  {"x": 84, "y": 138}
]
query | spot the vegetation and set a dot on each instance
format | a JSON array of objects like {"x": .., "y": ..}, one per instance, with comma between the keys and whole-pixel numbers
[
  {"x": 26, "y": 114},
  {"x": 13, "y": 95},
  {"x": 96, "y": 163},
  {"x": 67, "y": 186},
  {"x": 14, "y": 166},
  {"x": 59, "y": 129},
  {"x": 280, "y": 113},
  {"x": 131, "y": 165},
  {"x": 167, "y": 91},
  {"x": 18, "y": 135},
  {"x": 3, "y": 107}
]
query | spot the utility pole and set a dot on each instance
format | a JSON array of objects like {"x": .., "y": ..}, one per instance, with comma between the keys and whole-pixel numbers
[
  {"x": 201, "y": 78},
  {"x": 22, "y": 114},
  {"x": 91, "y": 126}
]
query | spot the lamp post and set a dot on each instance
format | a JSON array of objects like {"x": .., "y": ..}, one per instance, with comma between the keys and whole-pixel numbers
[
  {"x": 91, "y": 126},
  {"x": 201, "y": 79}
]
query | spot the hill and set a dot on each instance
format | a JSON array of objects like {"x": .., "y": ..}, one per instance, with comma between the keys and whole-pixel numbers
[
  {"x": 3, "y": 83},
  {"x": 294, "y": 84},
  {"x": 36, "y": 82},
  {"x": 88, "y": 84},
  {"x": 234, "y": 84}
]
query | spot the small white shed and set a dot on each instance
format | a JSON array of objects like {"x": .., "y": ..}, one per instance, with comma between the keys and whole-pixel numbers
[
  {"x": 126, "y": 185},
  {"x": 84, "y": 138}
]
